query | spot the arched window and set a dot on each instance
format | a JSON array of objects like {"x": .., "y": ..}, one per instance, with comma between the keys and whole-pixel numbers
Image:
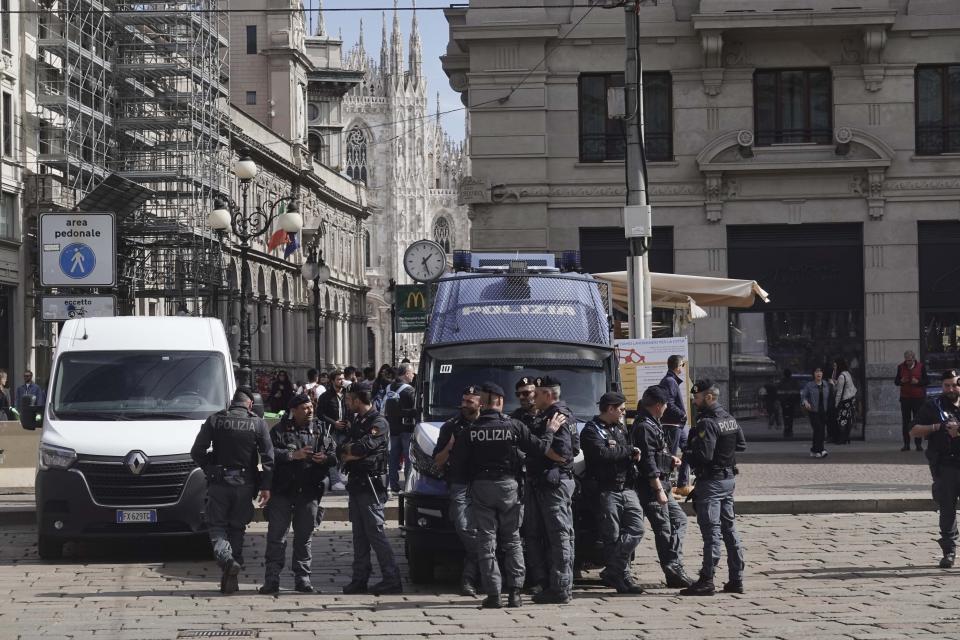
[
  {"x": 317, "y": 148},
  {"x": 367, "y": 250},
  {"x": 441, "y": 233},
  {"x": 357, "y": 154}
]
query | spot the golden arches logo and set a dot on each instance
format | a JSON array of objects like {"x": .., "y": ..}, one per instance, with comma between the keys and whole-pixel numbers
[{"x": 415, "y": 300}]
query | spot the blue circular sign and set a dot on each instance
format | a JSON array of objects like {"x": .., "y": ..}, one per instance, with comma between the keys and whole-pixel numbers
[{"x": 77, "y": 261}]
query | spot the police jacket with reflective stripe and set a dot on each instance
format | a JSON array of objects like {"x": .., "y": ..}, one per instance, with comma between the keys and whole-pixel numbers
[
  {"x": 305, "y": 476},
  {"x": 492, "y": 445},
  {"x": 566, "y": 441},
  {"x": 368, "y": 436},
  {"x": 608, "y": 453},
  {"x": 240, "y": 439},
  {"x": 713, "y": 443}
]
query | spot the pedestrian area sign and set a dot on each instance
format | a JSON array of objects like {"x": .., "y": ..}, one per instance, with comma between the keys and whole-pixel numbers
[{"x": 77, "y": 250}]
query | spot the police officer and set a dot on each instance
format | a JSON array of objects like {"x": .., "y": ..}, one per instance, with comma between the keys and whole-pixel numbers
[
  {"x": 938, "y": 422},
  {"x": 364, "y": 455},
  {"x": 456, "y": 477},
  {"x": 489, "y": 453},
  {"x": 548, "y": 507},
  {"x": 239, "y": 440},
  {"x": 527, "y": 411},
  {"x": 610, "y": 470},
  {"x": 304, "y": 453},
  {"x": 711, "y": 452},
  {"x": 656, "y": 461}
]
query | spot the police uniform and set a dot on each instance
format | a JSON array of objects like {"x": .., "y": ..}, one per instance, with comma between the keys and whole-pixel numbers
[
  {"x": 711, "y": 452},
  {"x": 521, "y": 414},
  {"x": 456, "y": 477},
  {"x": 548, "y": 506},
  {"x": 611, "y": 473},
  {"x": 239, "y": 440},
  {"x": 668, "y": 521},
  {"x": 943, "y": 453},
  {"x": 368, "y": 437},
  {"x": 491, "y": 458},
  {"x": 295, "y": 497}
]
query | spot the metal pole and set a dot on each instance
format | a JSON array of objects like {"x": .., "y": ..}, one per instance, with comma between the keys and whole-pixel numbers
[
  {"x": 316, "y": 322},
  {"x": 638, "y": 271},
  {"x": 245, "y": 373},
  {"x": 393, "y": 334}
]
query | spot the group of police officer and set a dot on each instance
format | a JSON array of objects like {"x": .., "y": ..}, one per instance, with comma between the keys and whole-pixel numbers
[{"x": 505, "y": 471}]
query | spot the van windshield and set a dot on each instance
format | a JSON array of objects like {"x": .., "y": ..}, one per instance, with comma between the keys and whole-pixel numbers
[{"x": 139, "y": 385}]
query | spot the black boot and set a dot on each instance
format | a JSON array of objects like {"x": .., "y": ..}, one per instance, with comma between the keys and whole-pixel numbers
[
  {"x": 467, "y": 588},
  {"x": 949, "y": 557},
  {"x": 733, "y": 587},
  {"x": 677, "y": 578},
  {"x": 492, "y": 601},
  {"x": 515, "y": 600},
  {"x": 269, "y": 589},
  {"x": 355, "y": 587},
  {"x": 229, "y": 583},
  {"x": 702, "y": 587}
]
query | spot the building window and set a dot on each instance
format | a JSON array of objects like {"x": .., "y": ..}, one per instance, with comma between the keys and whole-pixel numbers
[
  {"x": 8, "y": 215},
  {"x": 793, "y": 105},
  {"x": 251, "y": 39},
  {"x": 318, "y": 150},
  {"x": 603, "y": 138},
  {"x": 7, "y": 107},
  {"x": 5, "y": 18},
  {"x": 357, "y": 154},
  {"x": 367, "y": 250},
  {"x": 251, "y": 97},
  {"x": 441, "y": 233},
  {"x": 938, "y": 109}
]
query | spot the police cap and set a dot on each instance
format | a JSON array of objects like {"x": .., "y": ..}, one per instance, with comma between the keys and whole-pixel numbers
[
  {"x": 247, "y": 391},
  {"x": 547, "y": 381},
  {"x": 524, "y": 382},
  {"x": 493, "y": 389},
  {"x": 297, "y": 400},
  {"x": 704, "y": 384},
  {"x": 655, "y": 395},
  {"x": 472, "y": 390},
  {"x": 611, "y": 399}
]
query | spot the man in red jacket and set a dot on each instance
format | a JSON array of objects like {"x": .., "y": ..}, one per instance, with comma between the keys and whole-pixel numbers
[{"x": 913, "y": 380}]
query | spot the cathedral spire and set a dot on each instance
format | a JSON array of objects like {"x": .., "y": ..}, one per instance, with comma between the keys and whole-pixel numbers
[
  {"x": 416, "y": 48},
  {"x": 396, "y": 46},
  {"x": 384, "y": 47},
  {"x": 320, "y": 26},
  {"x": 360, "y": 45}
]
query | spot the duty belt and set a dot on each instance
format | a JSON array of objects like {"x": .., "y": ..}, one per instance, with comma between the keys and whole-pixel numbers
[
  {"x": 725, "y": 472},
  {"x": 493, "y": 474}
]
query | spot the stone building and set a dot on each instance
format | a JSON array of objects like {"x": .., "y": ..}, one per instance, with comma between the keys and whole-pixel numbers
[{"x": 809, "y": 147}]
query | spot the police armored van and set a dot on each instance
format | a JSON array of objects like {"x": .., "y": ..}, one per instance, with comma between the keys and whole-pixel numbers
[
  {"x": 498, "y": 318},
  {"x": 125, "y": 402}
]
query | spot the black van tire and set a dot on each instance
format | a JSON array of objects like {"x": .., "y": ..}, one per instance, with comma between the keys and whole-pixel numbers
[
  {"x": 420, "y": 565},
  {"x": 49, "y": 548}
]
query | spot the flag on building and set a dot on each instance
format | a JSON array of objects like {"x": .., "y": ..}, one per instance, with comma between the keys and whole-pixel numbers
[
  {"x": 278, "y": 239},
  {"x": 292, "y": 245}
]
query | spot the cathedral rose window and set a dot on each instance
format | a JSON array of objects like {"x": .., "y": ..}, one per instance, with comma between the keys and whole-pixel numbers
[
  {"x": 441, "y": 233},
  {"x": 357, "y": 154}
]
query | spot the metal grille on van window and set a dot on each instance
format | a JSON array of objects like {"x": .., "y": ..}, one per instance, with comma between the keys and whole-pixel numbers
[{"x": 113, "y": 484}]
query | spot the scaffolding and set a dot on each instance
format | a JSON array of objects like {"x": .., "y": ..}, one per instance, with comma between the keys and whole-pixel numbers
[{"x": 141, "y": 90}]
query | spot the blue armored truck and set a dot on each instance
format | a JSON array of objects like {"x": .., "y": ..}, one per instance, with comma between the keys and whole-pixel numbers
[{"x": 498, "y": 318}]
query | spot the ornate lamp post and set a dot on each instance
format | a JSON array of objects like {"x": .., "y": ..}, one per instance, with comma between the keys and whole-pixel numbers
[
  {"x": 390, "y": 297},
  {"x": 247, "y": 225},
  {"x": 316, "y": 270}
]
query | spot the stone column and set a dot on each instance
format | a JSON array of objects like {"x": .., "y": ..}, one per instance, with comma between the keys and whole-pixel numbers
[
  {"x": 263, "y": 310},
  {"x": 329, "y": 352},
  {"x": 276, "y": 333},
  {"x": 288, "y": 336}
]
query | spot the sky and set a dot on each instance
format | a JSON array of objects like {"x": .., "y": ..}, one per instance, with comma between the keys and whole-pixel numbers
[{"x": 433, "y": 33}]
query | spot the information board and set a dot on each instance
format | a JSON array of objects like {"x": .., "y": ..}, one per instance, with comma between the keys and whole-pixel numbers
[{"x": 643, "y": 363}]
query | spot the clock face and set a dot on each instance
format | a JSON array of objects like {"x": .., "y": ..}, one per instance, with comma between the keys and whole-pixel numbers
[{"x": 425, "y": 261}]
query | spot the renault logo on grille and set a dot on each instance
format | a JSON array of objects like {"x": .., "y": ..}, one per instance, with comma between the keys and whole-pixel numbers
[{"x": 136, "y": 461}]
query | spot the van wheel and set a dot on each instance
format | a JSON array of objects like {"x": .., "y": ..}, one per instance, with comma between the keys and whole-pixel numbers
[
  {"x": 420, "y": 565},
  {"x": 49, "y": 548}
]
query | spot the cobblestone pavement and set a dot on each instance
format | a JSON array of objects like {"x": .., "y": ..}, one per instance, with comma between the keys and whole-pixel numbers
[{"x": 819, "y": 577}]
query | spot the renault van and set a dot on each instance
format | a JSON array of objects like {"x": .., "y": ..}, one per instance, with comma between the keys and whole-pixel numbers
[{"x": 124, "y": 404}]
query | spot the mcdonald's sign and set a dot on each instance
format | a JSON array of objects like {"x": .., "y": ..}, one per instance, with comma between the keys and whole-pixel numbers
[{"x": 411, "y": 308}]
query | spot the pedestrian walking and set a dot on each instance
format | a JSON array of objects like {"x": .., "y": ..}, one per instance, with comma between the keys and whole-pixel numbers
[
  {"x": 548, "y": 508},
  {"x": 711, "y": 453},
  {"x": 913, "y": 381},
  {"x": 845, "y": 393},
  {"x": 312, "y": 388},
  {"x": 492, "y": 462},
  {"x": 611, "y": 475},
  {"x": 365, "y": 459},
  {"x": 29, "y": 388},
  {"x": 456, "y": 476},
  {"x": 675, "y": 419},
  {"x": 655, "y": 463},
  {"x": 5, "y": 413},
  {"x": 938, "y": 422},
  {"x": 787, "y": 394},
  {"x": 399, "y": 407},
  {"x": 237, "y": 440},
  {"x": 380, "y": 386},
  {"x": 332, "y": 411},
  {"x": 304, "y": 451},
  {"x": 771, "y": 405},
  {"x": 815, "y": 398},
  {"x": 281, "y": 390}
]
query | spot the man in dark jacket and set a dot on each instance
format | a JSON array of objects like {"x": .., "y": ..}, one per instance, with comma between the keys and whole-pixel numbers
[
  {"x": 332, "y": 412},
  {"x": 611, "y": 474},
  {"x": 711, "y": 452},
  {"x": 230, "y": 445},
  {"x": 675, "y": 417},
  {"x": 364, "y": 455},
  {"x": 913, "y": 381},
  {"x": 304, "y": 452},
  {"x": 399, "y": 407}
]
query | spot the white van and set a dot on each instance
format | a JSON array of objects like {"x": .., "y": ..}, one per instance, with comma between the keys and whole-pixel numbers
[{"x": 125, "y": 401}]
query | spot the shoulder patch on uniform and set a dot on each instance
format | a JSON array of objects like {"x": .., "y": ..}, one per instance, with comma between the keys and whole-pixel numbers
[
  {"x": 701, "y": 434},
  {"x": 375, "y": 431}
]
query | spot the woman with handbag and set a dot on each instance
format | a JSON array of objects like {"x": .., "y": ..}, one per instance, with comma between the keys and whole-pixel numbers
[{"x": 845, "y": 393}]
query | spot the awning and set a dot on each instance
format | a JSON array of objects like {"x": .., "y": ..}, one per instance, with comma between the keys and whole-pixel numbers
[{"x": 690, "y": 293}]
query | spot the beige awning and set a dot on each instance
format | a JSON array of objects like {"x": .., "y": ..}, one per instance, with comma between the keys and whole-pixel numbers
[{"x": 690, "y": 293}]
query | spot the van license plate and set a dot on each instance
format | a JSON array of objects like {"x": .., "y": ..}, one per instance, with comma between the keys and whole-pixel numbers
[{"x": 126, "y": 517}]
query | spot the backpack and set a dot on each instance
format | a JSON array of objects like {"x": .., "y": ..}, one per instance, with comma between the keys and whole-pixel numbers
[{"x": 391, "y": 400}]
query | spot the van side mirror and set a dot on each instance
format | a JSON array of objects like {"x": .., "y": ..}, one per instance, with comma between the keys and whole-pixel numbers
[
  {"x": 28, "y": 412},
  {"x": 258, "y": 405}
]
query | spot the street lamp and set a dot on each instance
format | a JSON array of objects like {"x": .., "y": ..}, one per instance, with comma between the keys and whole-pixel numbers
[
  {"x": 247, "y": 225},
  {"x": 390, "y": 297},
  {"x": 316, "y": 270}
]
